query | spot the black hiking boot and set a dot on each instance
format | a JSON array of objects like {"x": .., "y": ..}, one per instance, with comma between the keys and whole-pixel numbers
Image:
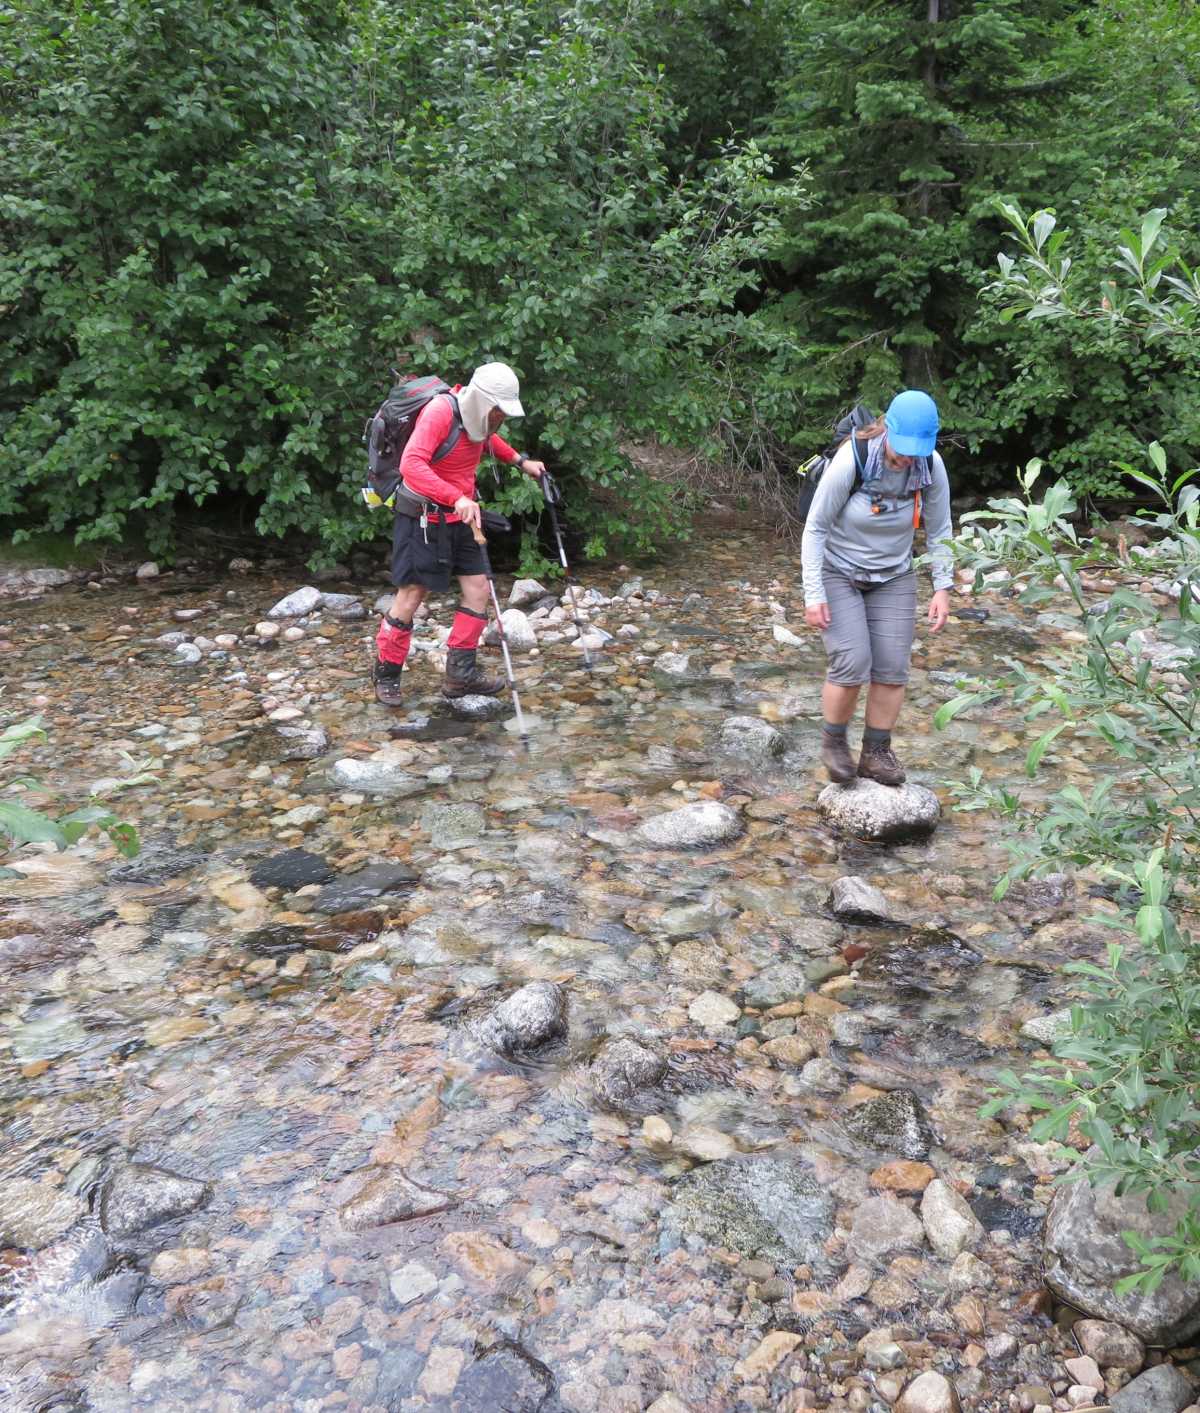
[
  {"x": 386, "y": 676},
  {"x": 880, "y": 764},
  {"x": 836, "y": 758},
  {"x": 465, "y": 678}
]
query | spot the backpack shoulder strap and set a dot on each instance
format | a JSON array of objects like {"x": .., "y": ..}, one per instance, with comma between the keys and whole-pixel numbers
[
  {"x": 859, "y": 448},
  {"x": 450, "y": 441}
]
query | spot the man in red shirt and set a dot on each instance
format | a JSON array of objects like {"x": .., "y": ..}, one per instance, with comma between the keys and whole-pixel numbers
[{"x": 429, "y": 546}]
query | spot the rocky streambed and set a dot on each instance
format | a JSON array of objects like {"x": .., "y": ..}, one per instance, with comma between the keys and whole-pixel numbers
[{"x": 408, "y": 1067}]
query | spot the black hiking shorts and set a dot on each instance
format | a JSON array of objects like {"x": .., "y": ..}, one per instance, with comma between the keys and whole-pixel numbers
[{"x": 416, "y": 562}]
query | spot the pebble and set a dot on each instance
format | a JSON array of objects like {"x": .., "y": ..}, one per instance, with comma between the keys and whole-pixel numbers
[
  {"x": 411, "y": 1282},
  {"x": 267, "y": 630},
  {"x": 712, "y": 1009}
]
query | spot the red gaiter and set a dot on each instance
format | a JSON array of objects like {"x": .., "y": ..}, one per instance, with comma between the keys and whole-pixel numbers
[
  {"x": 467, "y": 629},
  {"x": 392, "y": 641}
]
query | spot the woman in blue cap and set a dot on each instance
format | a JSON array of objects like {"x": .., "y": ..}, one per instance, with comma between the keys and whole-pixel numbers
[{"x": 860, "y": 588}]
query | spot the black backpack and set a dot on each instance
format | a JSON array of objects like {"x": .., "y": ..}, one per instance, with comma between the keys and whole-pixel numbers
[
  {"x": 814, "y": 468},
  {"x": 386, "y": 435}
]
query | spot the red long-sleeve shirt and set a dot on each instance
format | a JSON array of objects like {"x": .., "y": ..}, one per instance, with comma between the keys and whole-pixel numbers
[{"x": 454, "y": 475}]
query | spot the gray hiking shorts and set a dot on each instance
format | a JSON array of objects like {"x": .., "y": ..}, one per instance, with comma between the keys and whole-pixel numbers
[{"x": 871, "y": 625}]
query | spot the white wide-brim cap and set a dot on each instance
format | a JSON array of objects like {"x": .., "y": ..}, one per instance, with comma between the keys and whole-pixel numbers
[{"x": 499, "y": 385}]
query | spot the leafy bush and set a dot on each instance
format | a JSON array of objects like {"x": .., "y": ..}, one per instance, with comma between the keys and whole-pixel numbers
[
  {"x": 1127, "y": 1072},
  {"x": 226, "y": 223},
  {"x": 21, "y": 825}
]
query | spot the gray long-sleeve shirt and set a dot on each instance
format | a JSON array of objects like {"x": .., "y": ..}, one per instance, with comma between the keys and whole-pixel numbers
[{"x": 841, "y": 529}]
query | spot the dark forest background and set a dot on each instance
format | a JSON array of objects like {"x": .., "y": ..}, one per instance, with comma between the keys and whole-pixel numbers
[{"x": 710, "y": 225}]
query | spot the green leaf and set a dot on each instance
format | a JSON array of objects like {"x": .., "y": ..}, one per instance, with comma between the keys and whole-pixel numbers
[
  {"x": 949, "y": 710},
  {"x": 26, "y": 826},
  {"x": 1038, "y": 749}
]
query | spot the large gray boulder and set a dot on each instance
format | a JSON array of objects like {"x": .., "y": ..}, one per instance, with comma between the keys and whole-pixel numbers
[
  {"x": 1085, "y": 1255},
  {"x": 1163, "y": 1389},
  {"x": 882, "y": 813},
  {"x": 692, "y": 826},
  {"x": 297, "y": 603}
]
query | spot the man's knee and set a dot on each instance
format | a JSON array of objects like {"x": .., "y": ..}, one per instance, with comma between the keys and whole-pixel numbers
[{"x": 474, "y": 591}]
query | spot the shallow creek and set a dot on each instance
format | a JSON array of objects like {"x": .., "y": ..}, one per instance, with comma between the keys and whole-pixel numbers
[{"x": 284, "y": 1033}]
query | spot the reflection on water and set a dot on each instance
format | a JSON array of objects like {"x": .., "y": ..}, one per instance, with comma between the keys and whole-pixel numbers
[{"x": 216, "y": 1059}]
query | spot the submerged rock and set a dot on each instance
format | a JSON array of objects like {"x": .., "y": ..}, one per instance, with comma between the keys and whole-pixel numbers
[
  {"x": 530, "y": 1017},
  {"x": 927, "y": 961},
  {"x": 893, "y": 1124},
  {"x": 392, "y": 1196},
  {"x": 356, "y": 890},
  {"x": 853, "y": 899},
  {"x": 376, "y": 777},
  {"x": 624, "y": 1068},
  {"x": 759, "y": 1207},
  {"x": 1086, "y": 1254},
  {"x": 752, "y": 739},
  {"x": 881, "y": 1226},
  {"x": 292, "y": 869},
  {"x": 692, "y": 826},
  {"x": 506, "y": 1378},
  {"x": 139, "y": 1196},
  {"x": 949, "y": 1223},
  {"x": 883, "y": 813},
  {"x": 453, "y": 826},
  {"x": 33, "y": 1214},
  {"x": 302, "y": 742}
]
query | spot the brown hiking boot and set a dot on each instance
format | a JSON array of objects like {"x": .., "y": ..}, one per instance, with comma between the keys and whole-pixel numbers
[
  {"x": 386, "y": 676},
  {"x": 465, "y": 678},
  {"x": 836, "y": 758},
  {"x": 879, "y": 763}
]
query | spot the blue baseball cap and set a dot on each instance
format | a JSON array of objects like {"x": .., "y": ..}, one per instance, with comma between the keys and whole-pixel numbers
[{"x": 912, "y": 423}]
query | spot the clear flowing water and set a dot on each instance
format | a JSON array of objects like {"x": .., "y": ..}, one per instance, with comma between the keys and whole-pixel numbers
[{"x": 293, "y": 1044}]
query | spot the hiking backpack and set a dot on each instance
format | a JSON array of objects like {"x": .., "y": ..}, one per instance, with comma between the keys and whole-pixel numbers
[
  {"x": 386, "y": 435},
  {"x": 813, "y": 469}
]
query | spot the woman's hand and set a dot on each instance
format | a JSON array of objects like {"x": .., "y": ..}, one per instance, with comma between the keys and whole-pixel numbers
[
  {"x": 816, "y": 615},
  {"x": 939, "y": 610}
]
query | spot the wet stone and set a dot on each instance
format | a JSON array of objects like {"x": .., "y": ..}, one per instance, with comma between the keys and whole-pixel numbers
[
  {"x": 453, "y": 826},
  {"x": 477, "y": 708},
  {"x": 1163, "y": 1389},
  {"x": 377, "y": 777},
  {"x": 505, "y": 1377},
  {"x": 356, "y": 890},
  {"x": 33, "y": 1214},
  {"x": 927, "y": 961},
  {"x": 885, "y": 814},
  {"x": 297, "y": 604},
  {"x": 752, "y": 739},
  {"x": 881, "y": 1226},
  {"x": 157, "y": 863},
  {"x": 411, "y": 1282},
  {"x": 392, "y": 1196},
  {"x": 624, "y": 1068},
  {"x": 1086, "y": 1254},
  {"x": 529, "y": 1018},
  {"x": 302, "y": 742},
  {"x": 692, "y": 826},
  {"x": 892, "y": 1124},
  {"x": 292, "y": 869},
  {"x": 853, "y": 899},
  {"x": 759, "y": 1207},
  {"x": 139, "y": 1196}
]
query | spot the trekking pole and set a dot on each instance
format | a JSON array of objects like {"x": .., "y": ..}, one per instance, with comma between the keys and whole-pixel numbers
[
  {"x": 551, "y": 495},
  {"x": 481, "y": 541}
]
